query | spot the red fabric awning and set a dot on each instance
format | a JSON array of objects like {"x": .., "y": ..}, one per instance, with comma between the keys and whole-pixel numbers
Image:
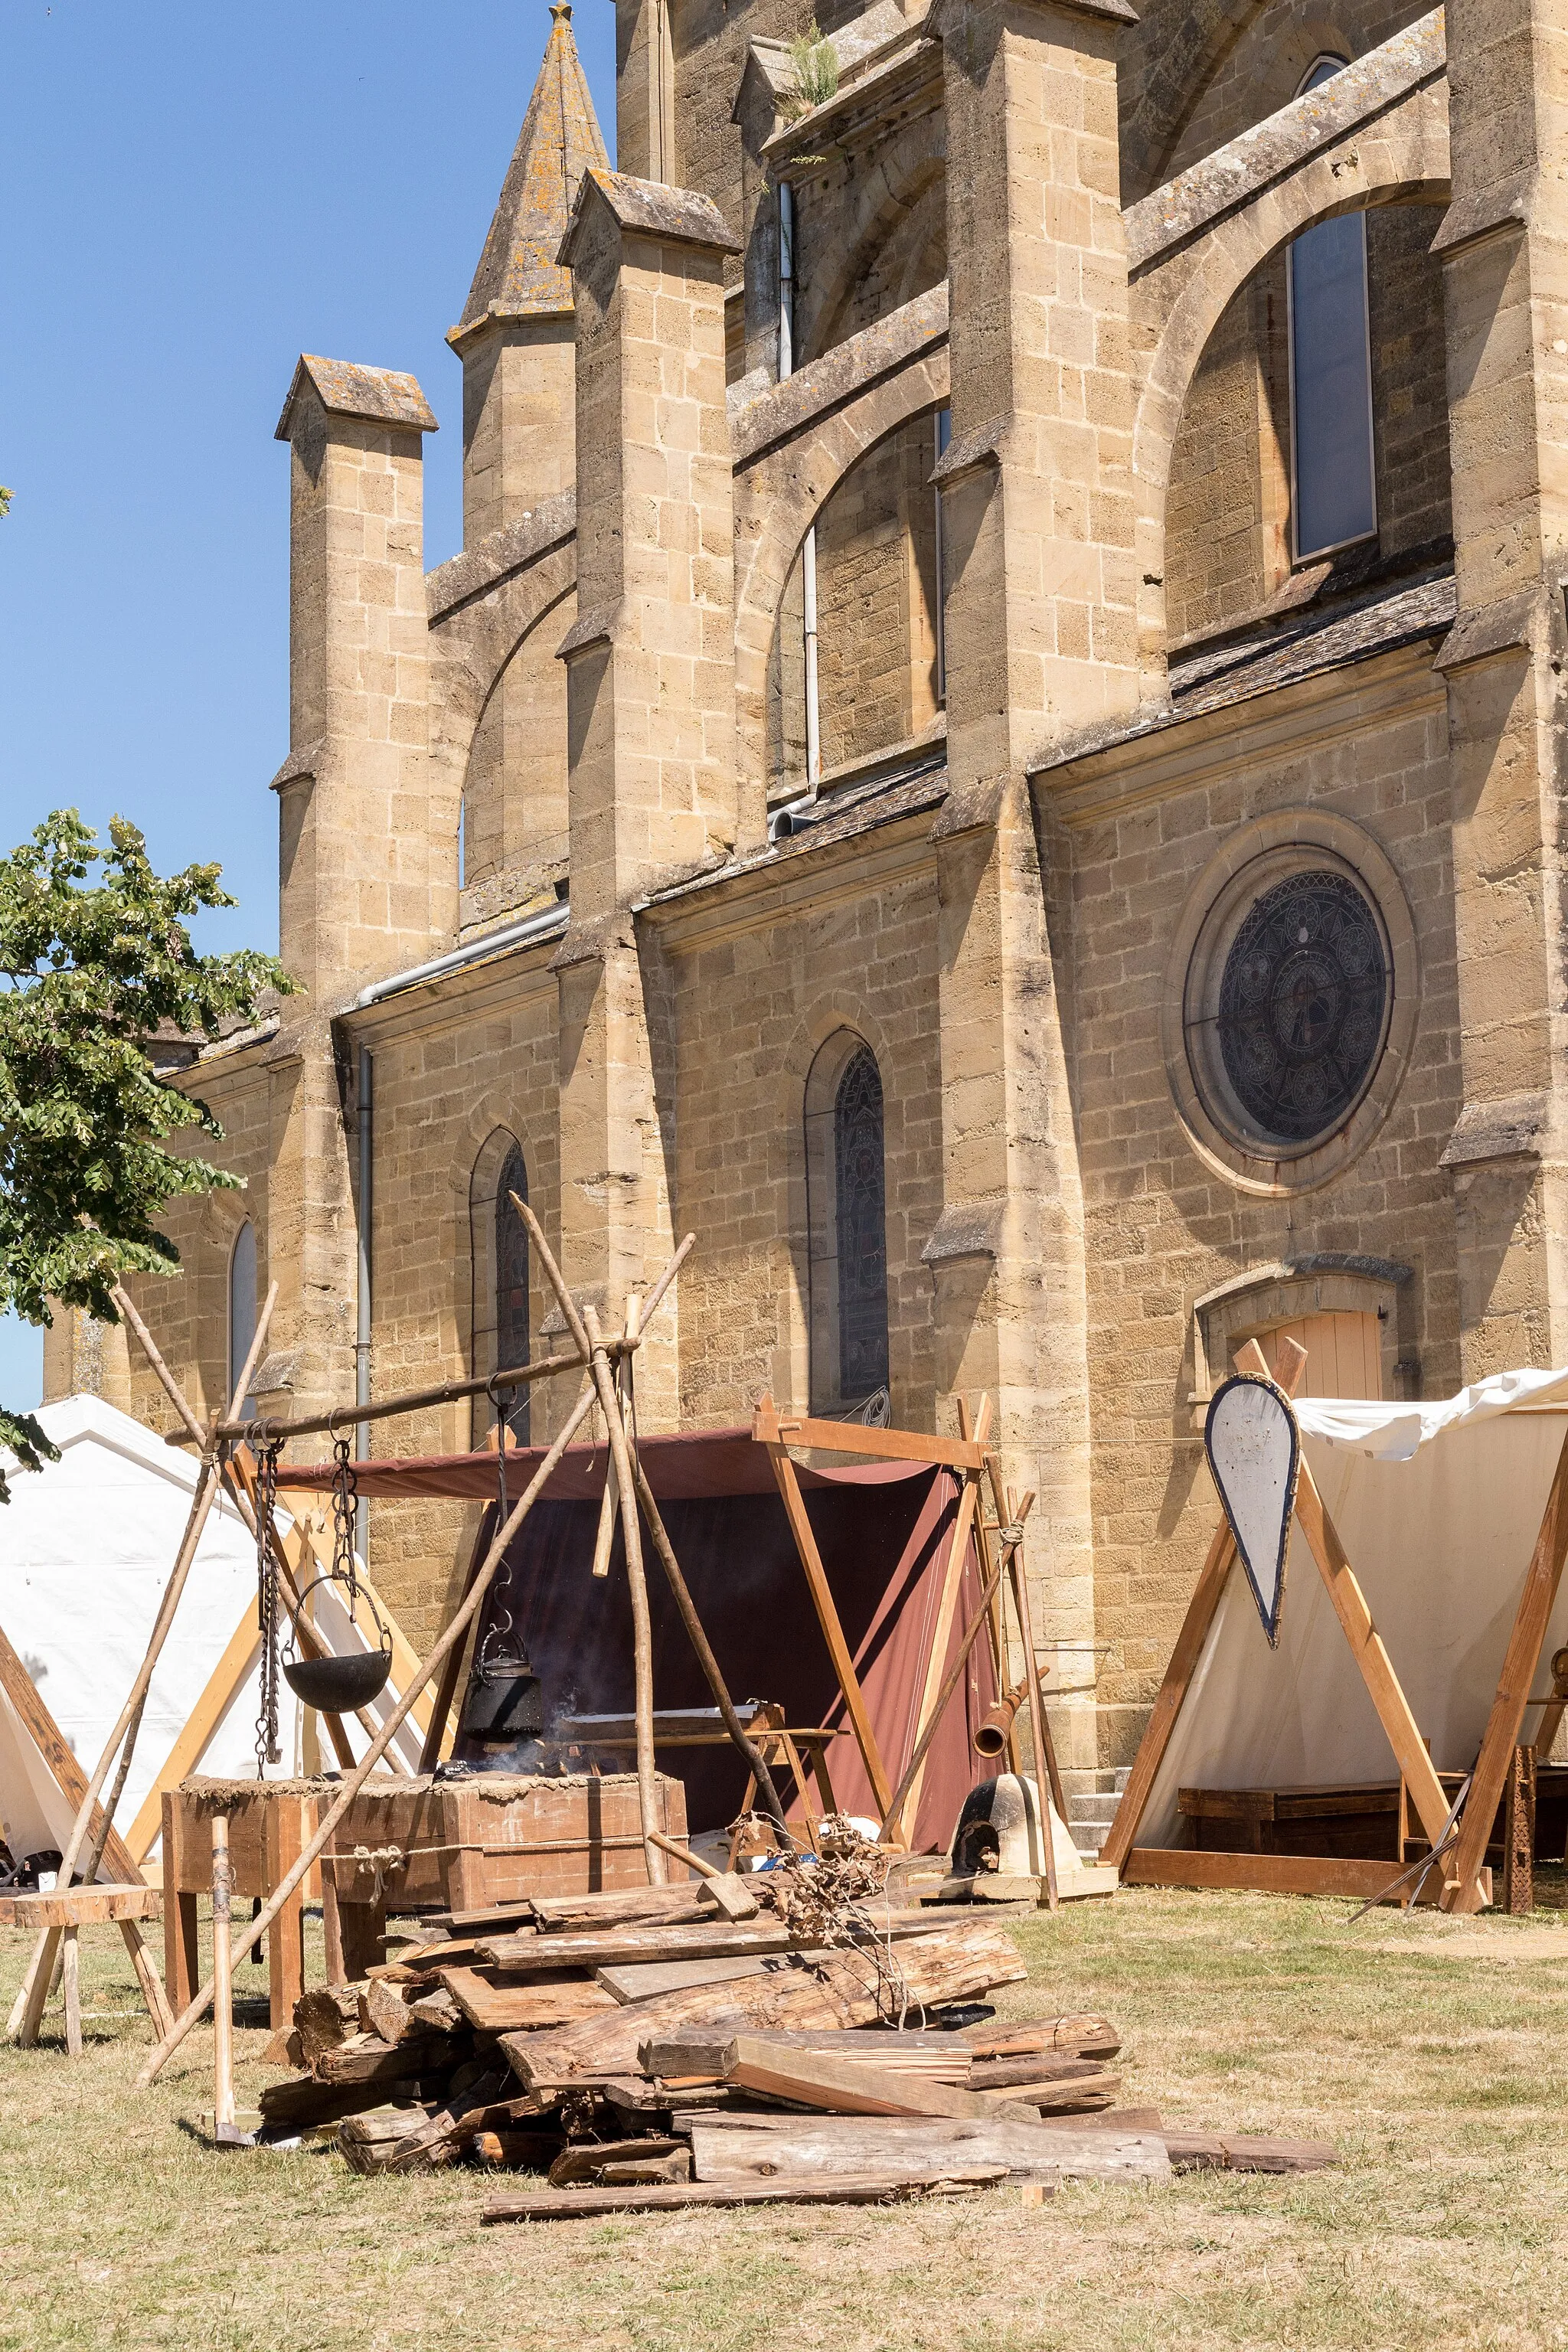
[{"x": 681, "y": 1468}]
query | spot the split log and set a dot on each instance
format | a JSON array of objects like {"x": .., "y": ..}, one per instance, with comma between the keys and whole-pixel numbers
[
  {"x": 998, "y": 2073},
  {"x": 388, "y": 2015},
  {"x": 561, "y": 1997},
  {"x": 324, "y": 2017},
  {"x": 301, "y": 2103},
  {"x": 1096, "y": 2090},
  {"x": 755, "y": 2064},
  {"x": 750, "y": 2148},
  {"x": 714, "y": 2056},
  {"x": 583, "y": 2204},
  {"x": 585, "y": 2161},
  {"x": 438, "y": 2012},
  {"x": 848, "y": 1988},
  {"x": 366, "y": 2058},
  {"x": 1078, "y": 2037}
]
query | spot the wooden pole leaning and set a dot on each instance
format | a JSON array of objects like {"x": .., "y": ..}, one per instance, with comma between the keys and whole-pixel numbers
[
  {"x": 1012, "y": 1537},
  {"x": 1521, "y": 1660},
  {"x": 947, "y": 1610},
  {"x": 223, "y": 1985},
  {"x": 636, "y": 1583},
  {"x": 1183, "y": 1659},
  {"x": 35, "y": 1990},
  {"x": 1044, "y": 1756},
  {"x": 350, "y": 1787}
]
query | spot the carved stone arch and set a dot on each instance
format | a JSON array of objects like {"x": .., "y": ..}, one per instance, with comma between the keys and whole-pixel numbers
[
  {"x": 778, "y": 496},
  {"x": 474, "y": 644},
  {"x": 904, "y": 169},
  {"x": 1178, "y": 298}
]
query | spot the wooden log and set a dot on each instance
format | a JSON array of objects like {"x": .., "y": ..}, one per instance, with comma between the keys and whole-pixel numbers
[
  {"x": 1090, "y": 2091},
  {"x": 324, "y": 2017},
  {"x": 710, "y": 2056},
  {"x": 1246, "y": 2152},
  {"x": 718, "y": 1939},
  {"x": 365, "y": 2058},
  {"x": 612, "y": 1907},
  {"x": 755, "y": 2064},
  {"x": 301, "y": 2103},
  {"x": 559, "y": 1998},
  {"x": 636, "y": 1585},
  {"x": 389, "y": 2014},
  {"x": 1077, "y": 2037},
  {"x": 953, "y": 1964},
  {"x": 223, "y": 1984},
  {"x": 583, "y": 2204},
  {"x": 70, "y": 1958},
  {"x": 80, "y": 1906},
  {"x": 1044, "y": 2066},
  {"x": 725, "y": 1889},
  {"x": 741, "y": 2148}
]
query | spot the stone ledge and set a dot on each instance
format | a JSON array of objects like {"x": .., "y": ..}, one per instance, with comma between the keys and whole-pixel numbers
[
  {"x": 981, "y": 446},
  {"x": 490, "y": 560},
  {"x": 1500, "y": 628},
  {"x": 970, "y": 1229},
  {"x": 1473, "y": 218},
  {"x": 1514, "y": 1127},
  {"x": 1237, "y": 172},
  {"x": 785, "y": 409}
]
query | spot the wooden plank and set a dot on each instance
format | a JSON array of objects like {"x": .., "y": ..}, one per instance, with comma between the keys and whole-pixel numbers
[
  {"x": 1246, "y": 2152},
  {"x": 642, "y": 1981},
  {"x": 715, "y": 1941},
  {"x": 1536, "y": 1601},
  {"x": 1098, "y": 2089},
  {"x": 843, "y": 2188},
  {"x": 1260, "y": 1874},
  {"x": 50, "y": 1742},
  {"x": 832, "y": 1631},
  {"x": 726, "y": 2148},
  {"x": 753, "y": 2062},
  {"x": 512, "y": 2008},
  {"x": 80, "y": 1906},
  {"x": 1376, "y": 1668},
  {"x": 771, "y": 1428}
]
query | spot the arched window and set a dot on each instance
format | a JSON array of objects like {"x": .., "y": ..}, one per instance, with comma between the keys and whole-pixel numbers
[
  {"x": 847, "y": 1209},
  {"x": 499, "y": 1243},
  {"x": 1334, "y": 498},
  {"x": 241, "y": 1306}
]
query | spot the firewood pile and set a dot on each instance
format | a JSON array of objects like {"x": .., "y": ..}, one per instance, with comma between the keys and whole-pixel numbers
[{"x": 726, "y": 2042}]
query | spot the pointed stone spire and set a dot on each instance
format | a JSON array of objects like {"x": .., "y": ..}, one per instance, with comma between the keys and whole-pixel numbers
[{"x": 518, "y": 276}]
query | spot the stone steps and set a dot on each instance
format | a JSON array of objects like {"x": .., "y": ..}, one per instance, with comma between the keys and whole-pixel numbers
[{"x": 1092, "y": 1798}]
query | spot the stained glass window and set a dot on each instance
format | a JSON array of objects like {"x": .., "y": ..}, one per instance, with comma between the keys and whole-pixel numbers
[
  {"x": 1301, "y": 1005},
  {"x": 511, "y": 1284},
  {"x": 862, "y": 1236}
]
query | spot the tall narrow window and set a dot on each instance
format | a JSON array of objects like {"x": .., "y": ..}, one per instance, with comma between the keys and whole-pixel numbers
[
  {"x": 499, "y": 1241},
  {"x": 860, "y": 1204},
  {"x": 1334, "y": 492},
  {"x": 846, "y": 1203},
  {"x": 241, "y": 1306}
]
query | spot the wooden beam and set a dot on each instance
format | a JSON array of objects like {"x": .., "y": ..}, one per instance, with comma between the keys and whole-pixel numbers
[
  {"x": 1372, "y": 1658},
  {"x": 1189, "y": 1646},
  {"x": 1260, "y": 1874},
  {"x": 199, "y": 1726},
  {"x": 1521, "y": 1660},
  {"x": 770, "y": 1428},
  {"x": 70, "y": 1777},
  {"x": 827, "y": 1618}
]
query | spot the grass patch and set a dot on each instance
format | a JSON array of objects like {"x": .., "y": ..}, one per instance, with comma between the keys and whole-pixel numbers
[{"x": 1444, "y": 2087}]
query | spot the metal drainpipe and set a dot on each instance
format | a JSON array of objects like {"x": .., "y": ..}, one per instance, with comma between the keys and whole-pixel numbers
[
  {"x": 362, "y": 1330},
  {"x": 808, "y": 548}
]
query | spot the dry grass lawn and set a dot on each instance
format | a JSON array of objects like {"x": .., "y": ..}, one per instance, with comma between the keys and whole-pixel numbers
[{"x": 1442, "y": 2079}]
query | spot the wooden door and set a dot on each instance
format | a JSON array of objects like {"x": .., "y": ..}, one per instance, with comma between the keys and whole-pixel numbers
[{"x": 1344, "y": 1353}]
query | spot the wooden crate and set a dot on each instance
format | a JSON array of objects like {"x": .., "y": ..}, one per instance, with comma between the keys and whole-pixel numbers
[{"x": 1347, "y": 1822}]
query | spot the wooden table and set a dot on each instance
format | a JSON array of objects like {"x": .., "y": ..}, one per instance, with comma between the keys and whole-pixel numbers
[
  {"x": 62, "y": 1911},
  {"x": 409, "y": 1843}
]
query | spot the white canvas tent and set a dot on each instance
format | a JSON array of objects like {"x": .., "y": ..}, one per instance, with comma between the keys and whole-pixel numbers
[
  {"x": 1438, "y": 1508},
  {"x": 85, "y": 1549}
]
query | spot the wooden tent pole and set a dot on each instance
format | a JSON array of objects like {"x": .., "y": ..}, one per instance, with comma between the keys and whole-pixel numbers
[
  {"x": 636, "y": 1584},
  {"x": 355, "y": 1781},
  {"x": 1521, "y": 1660},
  {"x": 954, "y": 1674},
  {"x": 223, "y": 1983},
  {"x": 947, "y": 1608},
  {"x": 1044, "y": 1759},
  {"x": 827, "y": 1618},
  {"x": 1189, "y": 1641}
]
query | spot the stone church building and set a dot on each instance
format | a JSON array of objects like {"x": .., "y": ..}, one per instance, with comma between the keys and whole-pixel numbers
[{"x": 993, "y": 749}]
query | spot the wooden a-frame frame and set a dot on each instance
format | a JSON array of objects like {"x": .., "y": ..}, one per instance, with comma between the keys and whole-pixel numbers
[{"x": 1465, "y": 1888}]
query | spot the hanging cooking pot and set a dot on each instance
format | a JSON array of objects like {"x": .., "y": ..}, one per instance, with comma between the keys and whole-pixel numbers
[
  {"x": 505, "y": 1697},
  {"x": 336, "y": 1685}
]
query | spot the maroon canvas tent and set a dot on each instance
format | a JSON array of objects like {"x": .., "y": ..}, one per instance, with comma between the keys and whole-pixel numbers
[{"x": 884, "y": 1530}]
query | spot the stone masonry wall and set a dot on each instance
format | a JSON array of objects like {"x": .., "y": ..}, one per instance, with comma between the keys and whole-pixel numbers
[{"x": 1161, "y": 1228}]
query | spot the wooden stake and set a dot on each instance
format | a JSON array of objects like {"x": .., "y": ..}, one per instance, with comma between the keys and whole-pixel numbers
[
  {"x": 1521, "y": 1660},
  {"x": 223, "y": 1982},
  {"x": 72, "y": 1993}
]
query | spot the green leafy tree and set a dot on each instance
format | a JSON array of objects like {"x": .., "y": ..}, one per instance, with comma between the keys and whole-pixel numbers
[{"x": 96, "y": 962}]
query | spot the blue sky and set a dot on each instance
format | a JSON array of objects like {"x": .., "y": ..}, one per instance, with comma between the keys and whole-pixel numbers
[{"x": 195, "y": 194}]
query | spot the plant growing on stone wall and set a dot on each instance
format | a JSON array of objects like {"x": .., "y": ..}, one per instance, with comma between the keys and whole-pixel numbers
[
  {"x": 815, "y": 63},
  {"x": 91, "y": 970}
]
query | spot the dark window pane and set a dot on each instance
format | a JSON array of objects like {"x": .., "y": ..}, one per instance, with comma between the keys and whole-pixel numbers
[
  {"x": 1330, "y": 394},
  {"x": 511, "y": 1284},
  {"x": 1301, "y": 1006},
  {"x": 862, "y": 1235}
]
